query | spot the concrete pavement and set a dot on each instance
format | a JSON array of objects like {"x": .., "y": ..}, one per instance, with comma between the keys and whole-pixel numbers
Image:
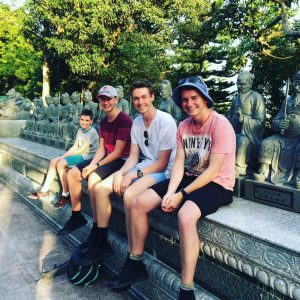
[{"x": 29, "y": 245}]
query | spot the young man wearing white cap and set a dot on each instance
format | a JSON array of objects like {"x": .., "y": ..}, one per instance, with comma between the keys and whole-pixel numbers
[
  {"x": 206, "y": 142},
  {"x": 110, "y": 156},
  {"x": 153, "y": 134}
]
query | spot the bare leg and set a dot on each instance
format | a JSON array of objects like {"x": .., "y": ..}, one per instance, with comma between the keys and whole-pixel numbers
[
  {"x": 92, "y": 181},
  {"x": 62, "y": 170},
  {"x": 188, "y": 217},
  {"x": 131, "y": 192},
  {"x": 74, "y": 182},
  {"x": 139, "y": 209},
  {"x": 103, "y": 189},
  {"x": 50, "y": 174}
]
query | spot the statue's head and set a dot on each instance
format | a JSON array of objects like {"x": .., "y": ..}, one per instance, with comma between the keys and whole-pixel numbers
[
  {"x": 39, "y": 102},
  {"x": 244, "y": 82},
  {"x": 20, "y": 100},
  {"x": 65, "y": 99},
  {"x": 48, "y": 99},
  {"x": 55, "y": 100},
  {"x": 27, "y": 105},
  {"x": 87, "y": 96},
  {"x": 11, "y": 94},
  {"x": 75, "y": 98},
  {"x": 296, "y": 80},
  {"x": 120, "y": 92},
  {"x": 165, "y": 89}
]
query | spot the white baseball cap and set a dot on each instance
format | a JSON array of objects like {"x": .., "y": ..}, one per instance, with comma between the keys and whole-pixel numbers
[{"x": 108, "y": 91}]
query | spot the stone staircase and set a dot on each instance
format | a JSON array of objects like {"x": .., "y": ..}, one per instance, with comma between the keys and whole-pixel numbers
[{"x": 249, "y": 250}]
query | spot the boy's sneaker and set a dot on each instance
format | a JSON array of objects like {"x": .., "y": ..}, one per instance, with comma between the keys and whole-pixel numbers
[
  {"x": 37, "y": 195},
  {"x": 89, "y": 242},
  {"x": 186, "y": 294},
  {"x": 132, "y": 272},
  {"x": 62, "y": 202},
  {"x": 73, "y": 224},
  {"x": 95, "y": 254}
]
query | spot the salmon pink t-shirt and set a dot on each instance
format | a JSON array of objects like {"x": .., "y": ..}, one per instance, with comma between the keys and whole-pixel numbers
[{"x": 215, "y": 136}]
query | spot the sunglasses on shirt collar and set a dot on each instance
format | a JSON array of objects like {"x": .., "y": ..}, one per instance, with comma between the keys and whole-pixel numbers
[{"x": 146, "y": 136}]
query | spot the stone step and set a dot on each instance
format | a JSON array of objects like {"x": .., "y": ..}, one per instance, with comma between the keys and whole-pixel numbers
[{"x": 249, "y": 250}]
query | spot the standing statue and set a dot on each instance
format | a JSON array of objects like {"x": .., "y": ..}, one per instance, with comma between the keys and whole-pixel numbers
[
  {"x": 65, "y": 100},
  {"x": 89, "y": 104},
  {"x": 75, "y": 100},
  {"x": 10, "y": 107},
  {"x": 123, "y": 104},
  {"x": 167, "y": 104},
  {"x": 279, "y": 155},
  {"x": 40, "y": 113},
  {"x": 247, "y": 115}
]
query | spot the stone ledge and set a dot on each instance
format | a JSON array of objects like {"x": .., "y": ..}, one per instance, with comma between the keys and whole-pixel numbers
[
  {"x": 11, "y": 128},
  {"x": 258, "y": 241},
  {"x": 163, "y": 283}
]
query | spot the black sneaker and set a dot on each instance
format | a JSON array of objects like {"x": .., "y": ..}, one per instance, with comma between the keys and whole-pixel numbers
[
  {"x": 132, "y": 272},
  {"x": 72, "y": 224},
  {"x": 89, "y": 242},
  {"x": 95, "y": 254},
  {"x": 186, "y": 295}
]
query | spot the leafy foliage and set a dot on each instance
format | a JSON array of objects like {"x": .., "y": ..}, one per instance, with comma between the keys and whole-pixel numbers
[
  {"x": 92, "y": 42},
  {"x": 20, "y": 65}
]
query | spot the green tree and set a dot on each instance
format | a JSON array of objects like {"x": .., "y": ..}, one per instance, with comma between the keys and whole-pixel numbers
[
  {"x": 234, "y": 34},
  {"x": 19, "y": 62},
  {"x": 99, "y": 40}
]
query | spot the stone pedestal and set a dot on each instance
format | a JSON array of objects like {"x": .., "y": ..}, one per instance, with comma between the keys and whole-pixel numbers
[
  {"x": 239, "y": 189},
  {"x": 279, "y": 196}
]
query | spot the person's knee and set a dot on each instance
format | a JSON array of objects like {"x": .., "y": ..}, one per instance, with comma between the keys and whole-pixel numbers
[
  {"x": 74, "y": 174},
  {"x": 136, "y": 204},
  {"x": 61, "y": 164},
  {"x": 53, "y": 162},
  {"x": 101, "y": 188},
  {"x": 186, "y": 219},
  {"x": 93, "y": 179},
  {"x": 128, "y": 197}
]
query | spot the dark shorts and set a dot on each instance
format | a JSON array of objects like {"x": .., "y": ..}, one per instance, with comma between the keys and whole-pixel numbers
[
  {"x": 105, "y": 170},
  {"x": 208, "y": 198}
]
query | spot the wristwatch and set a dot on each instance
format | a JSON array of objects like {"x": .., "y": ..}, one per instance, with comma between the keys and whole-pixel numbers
[
  {"x": 184, "y": 194},
  {"x": 97, "y": 164},
  {"x": 139, "y": 173}
]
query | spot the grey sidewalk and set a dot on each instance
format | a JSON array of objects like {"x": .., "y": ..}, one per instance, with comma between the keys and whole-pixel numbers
[{"x": 27, "y": 246}]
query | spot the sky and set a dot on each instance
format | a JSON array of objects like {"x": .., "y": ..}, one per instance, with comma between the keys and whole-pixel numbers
[{"x": 13, "y": 3}]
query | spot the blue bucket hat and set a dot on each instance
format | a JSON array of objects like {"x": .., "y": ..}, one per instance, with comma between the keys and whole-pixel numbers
[{"x": 194, "y": 82}]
